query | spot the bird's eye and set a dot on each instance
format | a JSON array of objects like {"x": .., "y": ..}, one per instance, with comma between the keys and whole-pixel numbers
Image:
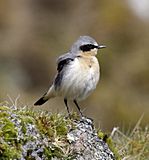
[{"x": 87, "y": 47}]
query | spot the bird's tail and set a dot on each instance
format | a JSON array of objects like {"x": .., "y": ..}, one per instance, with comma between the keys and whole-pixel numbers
[{"x": 45, "y": 97}]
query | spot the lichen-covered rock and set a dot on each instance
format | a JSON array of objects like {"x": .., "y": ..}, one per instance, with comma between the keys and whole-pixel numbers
[
  {"x": 86, "y": 144},
  {"x": 35, "y": 135}
]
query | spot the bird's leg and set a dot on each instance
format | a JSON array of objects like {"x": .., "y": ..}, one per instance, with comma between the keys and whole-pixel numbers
[
  {"x": 65, "y": 101},
  {"x": 75, "y": 102}
]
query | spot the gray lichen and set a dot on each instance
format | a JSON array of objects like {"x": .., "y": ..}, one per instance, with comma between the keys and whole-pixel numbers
[{"x": 86, "y": 144}]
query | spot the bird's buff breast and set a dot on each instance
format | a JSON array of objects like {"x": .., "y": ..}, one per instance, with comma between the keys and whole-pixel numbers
[{"x": 80, "y": 78}]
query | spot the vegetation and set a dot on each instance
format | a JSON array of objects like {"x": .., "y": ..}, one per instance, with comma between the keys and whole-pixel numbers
[
  {"x": 30, "y": 134},
  {"x": 133, "y": 145},
  {"x": 20, "y": 137}
]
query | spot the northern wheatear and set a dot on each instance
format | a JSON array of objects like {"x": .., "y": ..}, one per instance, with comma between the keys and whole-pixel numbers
[{"x": 78, "y": 73}]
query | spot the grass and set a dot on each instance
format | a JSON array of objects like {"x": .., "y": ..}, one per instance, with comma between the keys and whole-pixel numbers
[{"x": 133, "y": 145}]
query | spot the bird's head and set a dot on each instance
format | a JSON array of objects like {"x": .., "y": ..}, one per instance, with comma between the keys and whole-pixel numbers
[{"x": 86, "y": 45}]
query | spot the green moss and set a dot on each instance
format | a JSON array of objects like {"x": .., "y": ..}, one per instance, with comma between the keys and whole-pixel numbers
[
  {"x": 8, "y": 151},
  {"x": 53, "y": 126},
  {"x": 4, "y": 111},
  {"x": 20, "y": 127},
  {"x": 24, "y": 121},
  {"x": 113, "y": 148},
  {"x": 100, "y": 134},
  {"x": 8, "y": 130},
  {"x": 25, "y": 129},
  {"x": 110, "y": 143},
  {"x": 4, "y": 108}
]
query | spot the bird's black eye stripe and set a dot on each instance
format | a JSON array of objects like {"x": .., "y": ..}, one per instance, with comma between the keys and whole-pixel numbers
[{"x": 87, "y": 47}]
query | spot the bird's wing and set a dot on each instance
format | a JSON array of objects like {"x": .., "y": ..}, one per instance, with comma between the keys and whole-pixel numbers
[{"x": 64, "y": 60}]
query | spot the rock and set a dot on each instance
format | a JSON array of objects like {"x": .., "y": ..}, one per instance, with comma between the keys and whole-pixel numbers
[
  {"x": 39, "y": 135},
  {"x": 86, "y": 144}
]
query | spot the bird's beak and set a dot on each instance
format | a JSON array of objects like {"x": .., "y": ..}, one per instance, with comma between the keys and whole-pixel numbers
[{"x": 101, "y": 46}]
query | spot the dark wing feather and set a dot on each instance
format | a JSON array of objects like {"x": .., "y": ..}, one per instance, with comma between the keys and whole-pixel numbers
[{"x": 62, "y": 62}]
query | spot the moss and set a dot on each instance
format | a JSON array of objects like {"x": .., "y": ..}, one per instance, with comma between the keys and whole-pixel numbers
[
  {"x": 26, "y": 133},
  {"x": 110, "y": 143},
  {"x": 54, "y": 125},
  {"x": 113, "y": 148},
  {"x": 24, "y": 121},
  {"x": 8, "y": 151},
  {"x": 9, "y": 132},
  {"x": 24, "y": 128},
  {"x": 4, "y": 108}
]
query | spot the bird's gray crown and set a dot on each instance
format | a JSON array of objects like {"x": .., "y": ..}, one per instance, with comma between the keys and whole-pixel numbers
[{"x": 83, "y": 40}]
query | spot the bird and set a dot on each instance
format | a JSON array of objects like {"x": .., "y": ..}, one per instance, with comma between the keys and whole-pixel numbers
[{"x": 78, "y": 73}]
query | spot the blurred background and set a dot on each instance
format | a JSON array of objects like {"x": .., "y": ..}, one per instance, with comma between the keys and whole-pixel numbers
[{"x": 33, "y": 33}]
